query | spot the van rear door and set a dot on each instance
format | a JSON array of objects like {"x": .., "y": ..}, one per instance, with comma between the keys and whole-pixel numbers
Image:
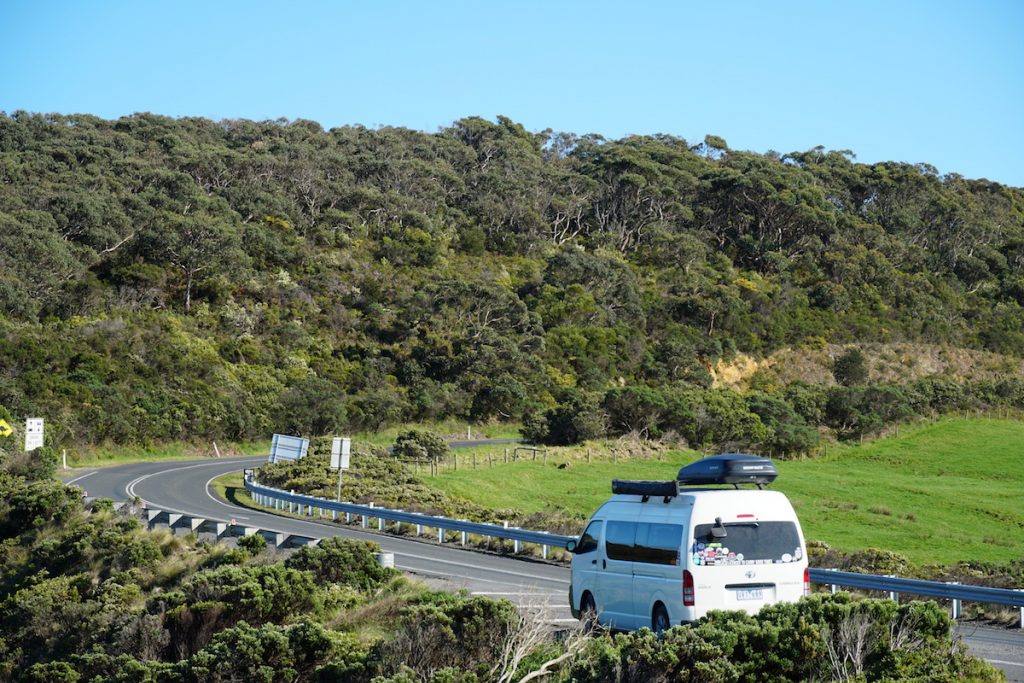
[{"x": 745, "y": 565}]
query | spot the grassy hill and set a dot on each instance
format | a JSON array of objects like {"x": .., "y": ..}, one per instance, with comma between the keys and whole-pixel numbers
[{"x": 939, "y": 493}]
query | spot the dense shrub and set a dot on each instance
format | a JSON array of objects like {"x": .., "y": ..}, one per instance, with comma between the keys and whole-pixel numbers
[
  {"x": 345, "y": 561},
  {"x": 446, "y": 631},
  {"x": 851, "y": 368},
  {"x": 823, "y": 637},
  {"x": 417, "y": 444}
]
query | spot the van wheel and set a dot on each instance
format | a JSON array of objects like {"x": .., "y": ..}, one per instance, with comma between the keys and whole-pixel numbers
[
  {"x": 588, "y": 611},
  {"x": 659, "y": 619}
]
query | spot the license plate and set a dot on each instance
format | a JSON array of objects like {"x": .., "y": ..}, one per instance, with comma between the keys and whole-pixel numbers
[{"x": 749, "y": 594}]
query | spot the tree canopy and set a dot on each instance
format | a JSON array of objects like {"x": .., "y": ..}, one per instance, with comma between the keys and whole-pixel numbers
[{"x": 163, "y": 278}]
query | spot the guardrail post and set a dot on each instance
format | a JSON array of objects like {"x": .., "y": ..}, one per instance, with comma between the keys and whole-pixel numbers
[
  {"x": 463, "y": 539},
  {"x": 893, "y": 595},
  {"x": 1021, "y": 622},
  {"x": 956, "y": 601},
  {"x": 419, "y": 529},
  {"x": 833, "y": 587},
  {"x": 440, "y": 534}
]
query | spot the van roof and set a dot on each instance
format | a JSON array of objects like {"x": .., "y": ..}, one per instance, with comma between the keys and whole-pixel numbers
[{"x": 755, "y": 501}]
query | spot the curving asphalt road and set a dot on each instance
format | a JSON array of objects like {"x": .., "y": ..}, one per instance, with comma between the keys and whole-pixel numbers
[{"x": 184, "y": 486}]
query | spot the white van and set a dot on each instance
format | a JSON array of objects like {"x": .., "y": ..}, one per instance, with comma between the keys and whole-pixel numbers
[{"x": 658, "y": 554}]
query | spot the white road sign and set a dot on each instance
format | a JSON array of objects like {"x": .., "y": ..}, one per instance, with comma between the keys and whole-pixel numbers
[
  {"x": 33, "y": 433},
  {"x": 341, "y": 453},
  {"x": 284, "y": 447}
]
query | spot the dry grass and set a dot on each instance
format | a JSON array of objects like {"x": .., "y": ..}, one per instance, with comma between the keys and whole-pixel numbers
[{"x": 887, "y": 363}]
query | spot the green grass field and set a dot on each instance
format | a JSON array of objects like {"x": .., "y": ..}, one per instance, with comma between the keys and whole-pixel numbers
[{"x": 939, "y": 493}]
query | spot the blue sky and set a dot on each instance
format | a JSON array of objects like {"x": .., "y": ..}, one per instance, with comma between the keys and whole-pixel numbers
[{"x": 920, "y": 81}]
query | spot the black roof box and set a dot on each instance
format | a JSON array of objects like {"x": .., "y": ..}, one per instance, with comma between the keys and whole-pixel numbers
[
  {"x": 645, "y": 488},
  {"x": 729, "y": 468}
]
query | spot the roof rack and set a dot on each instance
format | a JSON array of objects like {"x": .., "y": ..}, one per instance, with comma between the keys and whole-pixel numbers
[
  {"x": 662, "y": 489},
  {"x": 729, "y": 468}
]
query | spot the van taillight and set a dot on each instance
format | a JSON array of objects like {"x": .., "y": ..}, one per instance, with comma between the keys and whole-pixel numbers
[
  {"x": 807, "y": 581},
  {"x": 687, "y": 588}
]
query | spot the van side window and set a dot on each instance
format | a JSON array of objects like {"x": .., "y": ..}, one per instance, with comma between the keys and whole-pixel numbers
[
  {"x": 618, "y": 540},
  {"x": 588, "y": 541},
  {"x": 658, "y": 543}
]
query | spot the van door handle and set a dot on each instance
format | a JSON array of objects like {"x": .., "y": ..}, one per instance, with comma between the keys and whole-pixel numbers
[
  {"x": 604, "y": 564},
  {"x": 593, "y": 562}
]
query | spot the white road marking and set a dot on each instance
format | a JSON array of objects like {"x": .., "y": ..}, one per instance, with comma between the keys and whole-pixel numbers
[
  {"x": 130, "y": 488},
  {"x": 475, "y": 566},
  {"x": 214, "y": 498},
  {"x": 1000, "y": 661},
  {"x": 535, "y": 595},
  {"x": 72, "y": 481}
]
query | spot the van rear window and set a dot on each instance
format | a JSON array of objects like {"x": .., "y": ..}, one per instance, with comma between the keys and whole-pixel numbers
[{"x": 747, "y": 543}]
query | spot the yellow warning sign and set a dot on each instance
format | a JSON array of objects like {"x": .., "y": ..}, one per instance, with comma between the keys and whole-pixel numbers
[{"x": 5, "y": 429}]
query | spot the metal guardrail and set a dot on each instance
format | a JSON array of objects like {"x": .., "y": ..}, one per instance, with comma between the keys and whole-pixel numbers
[
  {"x": 277, "y": 499},
  {"x": 297, "y": 502},
  {"x": 895, "y": 585}
]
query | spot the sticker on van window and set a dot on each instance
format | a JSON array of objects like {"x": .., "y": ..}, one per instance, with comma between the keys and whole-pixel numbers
[
  {"x": 798, "y": 554},
  {"x": 786, "y": 557}
]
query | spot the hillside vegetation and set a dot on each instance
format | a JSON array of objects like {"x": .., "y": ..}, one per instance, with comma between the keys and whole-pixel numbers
[{"x": 166, "y": 279}]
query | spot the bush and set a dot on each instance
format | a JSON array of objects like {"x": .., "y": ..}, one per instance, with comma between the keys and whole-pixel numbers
[
  {"x": 344, "y": 561},
  {"x": 822, "y": 637},
  {"x": 577, "y": 418},
  {"x": 418, "y": 444},
  {"x": 254, "y": 544},
  {"x": 851, "y": 368},
  {"x": 452, "y": 632}
]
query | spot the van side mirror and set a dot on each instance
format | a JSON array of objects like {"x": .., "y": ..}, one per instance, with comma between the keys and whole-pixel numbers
[{"x": 571, "y": 546}]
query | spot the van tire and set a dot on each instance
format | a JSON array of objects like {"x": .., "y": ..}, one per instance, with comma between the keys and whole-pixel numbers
[
  {"x": 588, "y": 611},
  {"x": 659, "y": 620}
]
